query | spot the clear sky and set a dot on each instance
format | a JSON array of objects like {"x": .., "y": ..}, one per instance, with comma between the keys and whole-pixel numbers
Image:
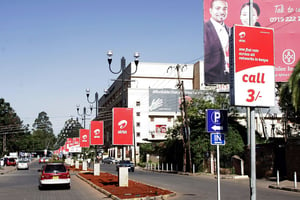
[{"x": 52, "y": 50}]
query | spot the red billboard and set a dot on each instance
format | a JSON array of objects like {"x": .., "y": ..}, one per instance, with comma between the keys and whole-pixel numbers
[
  {"x": 252, "y": 70},
  {"x": 281, "y": 15},
  {"x": 122, "y": 126},
  {"x": 84, "y": 137},
  {"x": 97, "y": 133}
]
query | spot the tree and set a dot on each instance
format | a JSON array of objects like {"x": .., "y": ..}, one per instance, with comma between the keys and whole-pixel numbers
[
  {"x": 42, "y": 135},
  {"x": 70, "y": 130},
  {"x": 289, "y": 94},
  {"x": 200, "y": 139},
  {"x": 12, "y": 131},
  {"x": 294, "y": 86}
]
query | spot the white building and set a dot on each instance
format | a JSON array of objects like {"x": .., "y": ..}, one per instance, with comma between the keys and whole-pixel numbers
[{"x": 152, "y": 92}]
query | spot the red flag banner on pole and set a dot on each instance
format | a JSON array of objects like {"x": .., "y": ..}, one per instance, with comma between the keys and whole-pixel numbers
[
  {"x": 122, "y": 126},
  {"x": 97, "y": 133},
  {"x": 84, "y": 137}
]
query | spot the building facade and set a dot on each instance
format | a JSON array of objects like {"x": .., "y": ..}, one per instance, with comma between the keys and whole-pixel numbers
[{"x": 152, "y": 91}]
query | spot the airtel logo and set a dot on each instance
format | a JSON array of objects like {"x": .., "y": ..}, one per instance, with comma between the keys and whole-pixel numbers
[
  {"x": 97, "y": 131},
  {"x": 242, "y": 34},
  {"x": 122, "y": 124},
  {"x": 84, "y": 137}
]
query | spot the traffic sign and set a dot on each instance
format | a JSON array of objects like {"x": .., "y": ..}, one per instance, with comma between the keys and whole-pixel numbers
[
  {"x": 217, "y": 139},
  {"x": 216, "y": 121}
]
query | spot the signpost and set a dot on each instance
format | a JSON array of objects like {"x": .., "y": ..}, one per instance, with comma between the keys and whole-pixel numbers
[
  {"x": 252, "y": 77},
  {"x": 216, "y": 123}
]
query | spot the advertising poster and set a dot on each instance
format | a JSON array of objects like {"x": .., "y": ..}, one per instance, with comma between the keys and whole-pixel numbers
[
  {"x": 281, "y": 15},
  {"x": 122, "y": 126},
  {"x": 168, "y": 100},
  {"x": 97, "y": 133},
  {"x": 84, "y": 137},
  {"x": 252, "y": 70},
  {"x": 75, "y": 147}
]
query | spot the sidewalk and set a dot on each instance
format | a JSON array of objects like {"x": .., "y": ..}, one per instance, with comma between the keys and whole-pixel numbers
[
  {"x": 264, "y": 183},
  {"x": 7, "y": 169},
  {"x": 286, "y": 185}
]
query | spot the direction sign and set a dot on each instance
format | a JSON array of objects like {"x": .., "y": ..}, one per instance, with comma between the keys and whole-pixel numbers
[
  {"x": 217, "y": 139},
  {"x": 216, "y": 121}
]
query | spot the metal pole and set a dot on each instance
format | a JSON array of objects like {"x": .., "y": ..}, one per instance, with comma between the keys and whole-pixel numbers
[
  {"x": 253, "y": 155},
  {"x": 123, "y": 66},
  {"x": 218, "y": 172},
  {"x": 252, "y": 131}
]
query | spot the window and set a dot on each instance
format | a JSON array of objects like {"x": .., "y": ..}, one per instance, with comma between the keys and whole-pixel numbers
[
  {"x": 138, "y": 103},
  {"x": 138, "y": 114},
  {"x": 138, "y": 134},
  {"x": 138, "y": 124}
]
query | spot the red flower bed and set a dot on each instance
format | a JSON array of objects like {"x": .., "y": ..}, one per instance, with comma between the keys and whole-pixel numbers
[{"x": 109, "y": 183}]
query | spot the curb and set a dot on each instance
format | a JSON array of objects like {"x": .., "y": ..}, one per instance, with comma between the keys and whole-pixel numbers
[
  {"x": 117, "y": 198},
  {"x": 284, "y": 188}
]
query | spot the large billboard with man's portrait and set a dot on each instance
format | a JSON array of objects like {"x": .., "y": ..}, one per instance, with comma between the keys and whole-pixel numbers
[{"x": 220, "y": 15}]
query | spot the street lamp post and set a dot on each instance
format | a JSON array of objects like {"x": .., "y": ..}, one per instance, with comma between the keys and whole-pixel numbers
[
  {"x": 122, "y": 70},
  {"x": 84, "y": 113},
  {"x": 95, "y": 100}
]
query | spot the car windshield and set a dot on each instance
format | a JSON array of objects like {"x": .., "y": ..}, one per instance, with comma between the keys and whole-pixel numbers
[
  {"x": 125, "y": 162},
  {"x": 22, "y": 161},
  {"x": 55, "y": 168}
]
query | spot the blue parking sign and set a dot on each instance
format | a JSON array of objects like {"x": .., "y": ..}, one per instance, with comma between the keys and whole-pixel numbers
[{"x": 216, "y": 121}]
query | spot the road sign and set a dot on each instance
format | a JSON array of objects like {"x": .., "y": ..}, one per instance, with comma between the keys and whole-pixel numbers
[
  {"x": 216, "y": 121},
  {"x": 217, "y": 139}
]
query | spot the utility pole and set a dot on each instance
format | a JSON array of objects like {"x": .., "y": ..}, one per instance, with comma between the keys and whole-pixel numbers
[{"x": 185, "y": 120}]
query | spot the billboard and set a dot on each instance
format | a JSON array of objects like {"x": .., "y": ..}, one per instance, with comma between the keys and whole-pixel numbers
[
  {"x": 96, "y": 133},
  {"x": 252, "y": 70},
  {"x": 168, "y": 100},
  {"x": 84, "y": 137},
  {"x": 122, "y": 126},
  {"x": 281, "y": 15}
]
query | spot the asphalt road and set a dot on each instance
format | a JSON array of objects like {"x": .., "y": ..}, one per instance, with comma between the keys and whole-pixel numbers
[
  {"x": 23, "y": 185},
  {"x": 205, "y": 187}
]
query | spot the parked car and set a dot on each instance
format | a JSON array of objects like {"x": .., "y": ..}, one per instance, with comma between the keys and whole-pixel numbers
[
  {"x": 125, "y": 163},
  {"x": 22, "y": 164},
  {"x": 53, "y": 174},
  {"x": 109, "y": 160},
  {"x": 11, "y": 162}
]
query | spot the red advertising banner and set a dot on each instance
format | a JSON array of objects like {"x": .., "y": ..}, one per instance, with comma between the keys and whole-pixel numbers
[
  {"x": 252, "y": 70},
  {"x": 97, "y": 133},
  {"x": 281, "y": 15},
  {"x": 76, "y": 141},
  {"x": 84, "y": 137},
  {"x": 122, "y": 126},
  {"x": 159, "y": 129}
]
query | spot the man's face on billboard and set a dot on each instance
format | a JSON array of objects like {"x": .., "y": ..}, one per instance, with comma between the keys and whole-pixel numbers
[{"x": 219, "y": 10}]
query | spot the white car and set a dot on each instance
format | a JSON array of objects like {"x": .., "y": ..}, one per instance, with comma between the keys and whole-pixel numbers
[{"x": 22, "y": 164}]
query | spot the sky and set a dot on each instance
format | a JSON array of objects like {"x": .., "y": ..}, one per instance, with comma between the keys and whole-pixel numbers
[{"x": 52, "y": 50}]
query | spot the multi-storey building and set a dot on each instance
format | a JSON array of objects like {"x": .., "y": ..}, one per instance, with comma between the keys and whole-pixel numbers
[{"x": 152, "y": 91}]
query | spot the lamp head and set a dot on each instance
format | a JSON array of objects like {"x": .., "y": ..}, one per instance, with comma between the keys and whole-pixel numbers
[{"x": 109, "y": 54}]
